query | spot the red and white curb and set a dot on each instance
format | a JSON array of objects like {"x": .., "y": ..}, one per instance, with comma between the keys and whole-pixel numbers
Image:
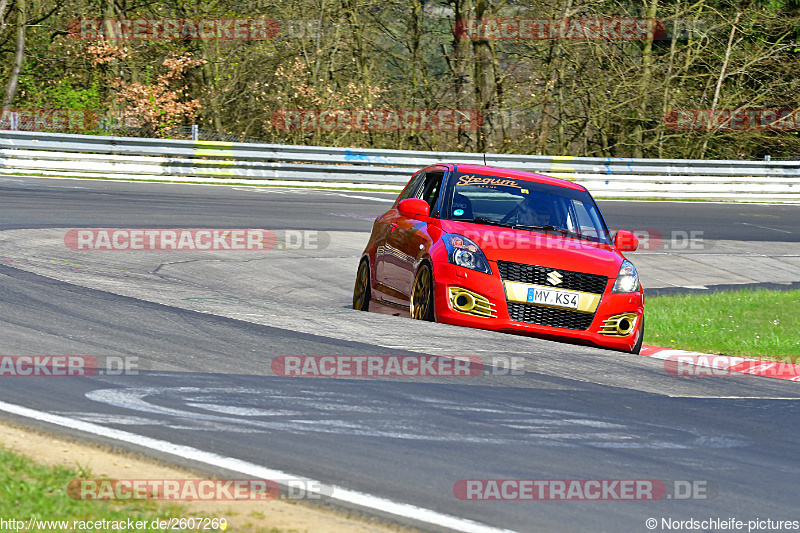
[{"x": 691, "y": 364}]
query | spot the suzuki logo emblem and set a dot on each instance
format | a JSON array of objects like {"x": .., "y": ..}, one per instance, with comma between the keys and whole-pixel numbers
[{"x": 554, "y": 277}]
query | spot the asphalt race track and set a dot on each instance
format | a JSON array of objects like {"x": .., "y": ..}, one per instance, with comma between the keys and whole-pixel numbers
[
  {"x": 36, "y": 203},
  {"x": 204, "y": 327}
]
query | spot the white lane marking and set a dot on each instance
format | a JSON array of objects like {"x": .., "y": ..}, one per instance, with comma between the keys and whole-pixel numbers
[
  {"x": 765, "y": 227},
  {"x": 273, "y": 190},
  {"x": 732, "y": 397},
  {"x": 260, "y": 472},
  {"x": 365, "y": 197}
]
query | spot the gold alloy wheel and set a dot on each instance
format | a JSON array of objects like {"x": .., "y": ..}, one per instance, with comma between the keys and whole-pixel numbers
[
  {"x": 362, "y": 289},
  {"x": 421, "y": 304}
]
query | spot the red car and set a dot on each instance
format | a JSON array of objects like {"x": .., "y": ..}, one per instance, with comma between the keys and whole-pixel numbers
[{"x": 503, "y": 250}]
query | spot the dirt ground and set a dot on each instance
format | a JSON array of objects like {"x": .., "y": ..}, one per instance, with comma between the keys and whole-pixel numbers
[{"x": 242, "y": 516}]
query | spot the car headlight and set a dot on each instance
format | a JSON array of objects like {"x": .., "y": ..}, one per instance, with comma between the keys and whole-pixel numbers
[
  {"x": 627, "y": 279},
  {"x": 465, "y": 253}
]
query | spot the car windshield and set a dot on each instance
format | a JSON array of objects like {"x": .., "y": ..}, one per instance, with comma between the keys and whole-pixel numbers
[{"x": 523, "y": 204}]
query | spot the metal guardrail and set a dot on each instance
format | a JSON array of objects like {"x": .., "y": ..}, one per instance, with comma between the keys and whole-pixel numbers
[{"x": 53, "y": 154}]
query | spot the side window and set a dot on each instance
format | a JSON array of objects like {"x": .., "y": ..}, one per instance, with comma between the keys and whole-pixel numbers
[
  {"x": 431, "y": 190},
  {"x": 412, "y": 189}
]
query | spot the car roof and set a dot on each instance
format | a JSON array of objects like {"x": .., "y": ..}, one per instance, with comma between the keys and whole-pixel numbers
[{"x": 508, "y": 173}]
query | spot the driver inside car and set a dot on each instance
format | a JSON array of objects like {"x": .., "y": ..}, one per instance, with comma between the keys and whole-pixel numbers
[{"x": 533, "y": 211}]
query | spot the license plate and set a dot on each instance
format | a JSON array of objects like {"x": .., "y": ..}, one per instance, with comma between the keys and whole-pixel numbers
[{"x": 567, "y": 300}]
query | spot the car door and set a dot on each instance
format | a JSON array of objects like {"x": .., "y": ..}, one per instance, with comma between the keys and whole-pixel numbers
[
  {"x": 384, "y": 226},
  {"x": 403, "y": 241}
]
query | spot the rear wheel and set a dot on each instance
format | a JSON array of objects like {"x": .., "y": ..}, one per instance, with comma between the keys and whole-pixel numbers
[
  {"x": 638, "y": 346},
  {"x": 362, "y": 290},
  {"x": 422, "y": 294}
]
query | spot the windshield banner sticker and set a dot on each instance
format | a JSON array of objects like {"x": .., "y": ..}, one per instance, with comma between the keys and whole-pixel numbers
[{"x": 486, "y": 181}]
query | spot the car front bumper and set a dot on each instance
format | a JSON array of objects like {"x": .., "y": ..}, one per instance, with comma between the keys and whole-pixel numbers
[{"x": 614, "y": 324}]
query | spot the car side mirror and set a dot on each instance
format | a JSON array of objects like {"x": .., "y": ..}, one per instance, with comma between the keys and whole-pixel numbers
[
  {"x": 414, "y": 208},
  {"x": 625, "y": 241}
]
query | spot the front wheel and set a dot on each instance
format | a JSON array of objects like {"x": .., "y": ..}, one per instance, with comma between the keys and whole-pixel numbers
[
  {"x": 422, "y": 295},
  {"x": 638, "y": 346},
  {"x": 362, "y": 290}
]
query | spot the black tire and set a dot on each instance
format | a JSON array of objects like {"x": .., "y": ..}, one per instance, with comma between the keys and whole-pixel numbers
[
  {"x": 638, "y": 346},
  {"x": 421, "y": 305},
  {"x": 362, "y": 291}
]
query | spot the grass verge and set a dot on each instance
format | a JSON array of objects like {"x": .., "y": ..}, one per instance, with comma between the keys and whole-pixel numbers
[
  {"x": 37, "y": 495},
  {"x": 763, "y": 324}
]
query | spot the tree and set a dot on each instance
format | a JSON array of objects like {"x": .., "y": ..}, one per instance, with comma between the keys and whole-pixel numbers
[{"x": 19, "y": 56}]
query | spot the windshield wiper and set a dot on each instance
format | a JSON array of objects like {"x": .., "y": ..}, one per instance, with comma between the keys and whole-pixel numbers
[
  {"x": 483, "y": 220},
  {"x": 548, "y": 227}
]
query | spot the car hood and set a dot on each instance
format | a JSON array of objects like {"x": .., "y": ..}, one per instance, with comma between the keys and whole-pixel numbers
[{"x": 535, "y": 248}]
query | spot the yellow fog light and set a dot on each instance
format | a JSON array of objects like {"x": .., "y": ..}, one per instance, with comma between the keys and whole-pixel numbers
[
  {"x": 471, "y": 303},
  {"x": 619, "y": 325}
]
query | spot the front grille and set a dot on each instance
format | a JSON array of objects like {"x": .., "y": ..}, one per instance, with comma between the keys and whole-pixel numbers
[
  {"x": 537, "y": 275},
  {"x": 548, "y": 316}
]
